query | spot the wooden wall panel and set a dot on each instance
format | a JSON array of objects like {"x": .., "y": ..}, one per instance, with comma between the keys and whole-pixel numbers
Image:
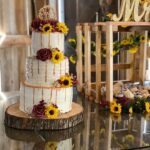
[{"x": 11, "y": 66}]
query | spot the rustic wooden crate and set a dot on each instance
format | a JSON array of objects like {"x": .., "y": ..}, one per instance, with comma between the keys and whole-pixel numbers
[{"x": 85, "y": 78}]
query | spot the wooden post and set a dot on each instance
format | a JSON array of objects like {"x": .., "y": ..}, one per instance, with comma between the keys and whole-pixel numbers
[
  {"x": 108, "y": 133},
  {"x": 86, "y": 131},
  {"x": 79, "y": 65},
  {"x": 109, "y": 62},
  {"x": 98, "y": 64},
  {"x": 143, "y": 56},
  {"x": 87, "y": 59},
  {"x": 97, "y": 128},
  {"x": 131, "y": 60}
]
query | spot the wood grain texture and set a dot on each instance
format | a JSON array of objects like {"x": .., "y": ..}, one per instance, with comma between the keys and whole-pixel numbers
[
  {"x": 143, "y": 57},
  {"x": 17, "y": 119},
  {"x": 109, "y": 63},
  {"x": 98, "y": 64},
  {"x": 79, "y": 54},
  {"x": 32, "y": 136},
  {"x": 87, "y": 60},
  {"x": 12, "y": 60}
]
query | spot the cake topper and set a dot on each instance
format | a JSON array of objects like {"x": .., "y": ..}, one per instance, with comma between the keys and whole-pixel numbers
[{"x": 47, "y": 13}]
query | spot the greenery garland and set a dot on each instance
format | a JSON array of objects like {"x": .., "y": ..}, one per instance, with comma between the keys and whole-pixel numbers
[{"x": 129, "y": 44}]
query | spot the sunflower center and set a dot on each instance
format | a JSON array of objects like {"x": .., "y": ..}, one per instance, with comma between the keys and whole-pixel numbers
[
  {"x": 116, "y": 108},
  {"x": 51, "y": 112},
  {"x": 57, "y": 57},
  {"x": 66, "y": 82},
  {"x": 47, "y": 28}
]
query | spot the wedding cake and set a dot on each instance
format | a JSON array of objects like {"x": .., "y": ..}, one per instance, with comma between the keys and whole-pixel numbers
[{"x": 47, "y": 88}]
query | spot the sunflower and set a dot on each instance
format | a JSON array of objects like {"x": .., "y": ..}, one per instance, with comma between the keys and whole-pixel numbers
[
  {"x": 130, "y": 40},
  {"x": 124, "y": 42},
  {"x": 62, "y": 27},
  {"x": 130, "y": 110},
  {"x": 115, "y": 52},
  {"x": 109, "y": 15},
  {"x": 72, "y": 40},
  {"x": 66, "y": 81},
  {"x": 57, "y": 56},
  {"x": 72, "y": 59},
  {"x": 51, "y": 112},
  {"x": 133, "y": 50},
  {"x": 142, "y": 38},
  {"x": 47, "y": 28},
  {"x": 51, "y": 146},
  {"x": 147, "y": 107},
  {"x": 142, "y": 1},
  {"x": 115, "y": 108}
]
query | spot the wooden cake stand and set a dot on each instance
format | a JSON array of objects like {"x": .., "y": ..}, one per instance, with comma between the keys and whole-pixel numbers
[{"x": 17, "y": 119}]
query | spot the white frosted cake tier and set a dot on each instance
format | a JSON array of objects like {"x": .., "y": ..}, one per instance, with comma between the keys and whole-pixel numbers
[
  {"x": 49, "y": 40},
  {"x": 31, "y": 95},
  {"x": 45, "y": 72}
]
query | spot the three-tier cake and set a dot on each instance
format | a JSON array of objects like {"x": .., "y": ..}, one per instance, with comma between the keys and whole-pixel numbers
[
  {"x": 47, "y": 76},
  {"x": 46, "y": 93}
]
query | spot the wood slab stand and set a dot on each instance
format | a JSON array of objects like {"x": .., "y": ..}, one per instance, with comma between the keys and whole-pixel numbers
[{"x": 17, "y": 119}]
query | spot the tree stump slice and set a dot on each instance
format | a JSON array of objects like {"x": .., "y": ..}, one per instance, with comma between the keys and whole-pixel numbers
[{"x": 17, "y": 119}]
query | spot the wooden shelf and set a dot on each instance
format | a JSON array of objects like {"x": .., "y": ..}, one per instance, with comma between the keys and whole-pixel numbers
[{"x": 113, "y": 23}]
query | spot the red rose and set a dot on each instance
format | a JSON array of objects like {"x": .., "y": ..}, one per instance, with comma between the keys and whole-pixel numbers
[
  {"x": 39, "y": 110},
  {"x": 44, "y": 54}
]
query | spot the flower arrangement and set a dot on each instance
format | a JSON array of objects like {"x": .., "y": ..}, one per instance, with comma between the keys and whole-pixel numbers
[
  {"x": 54, "y": 54},
  {"x": 48, "y": 26},
  {"x": 126, "y": 105},
  {"x": 43, "y": 110}
]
